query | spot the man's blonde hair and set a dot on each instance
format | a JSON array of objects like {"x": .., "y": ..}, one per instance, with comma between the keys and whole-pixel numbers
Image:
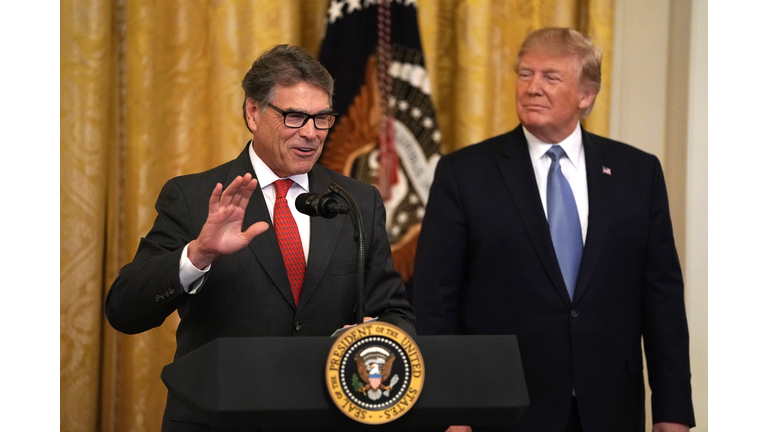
[{"x": 567, "y": 41}]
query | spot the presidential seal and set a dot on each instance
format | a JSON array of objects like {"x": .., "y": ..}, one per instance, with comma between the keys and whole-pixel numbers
[{"x": 374, "y": 372}]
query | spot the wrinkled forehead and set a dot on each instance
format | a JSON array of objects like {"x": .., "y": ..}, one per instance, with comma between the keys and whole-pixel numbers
[{"x": 301, "y": 96}]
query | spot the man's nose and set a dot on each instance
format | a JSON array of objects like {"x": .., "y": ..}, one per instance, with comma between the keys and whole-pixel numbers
[
  {"x": 535, "y": 85},
  {"x": 308, "y": 131}
]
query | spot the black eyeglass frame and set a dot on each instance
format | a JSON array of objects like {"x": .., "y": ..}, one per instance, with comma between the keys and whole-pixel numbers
[{"x": 285, "y": 115}]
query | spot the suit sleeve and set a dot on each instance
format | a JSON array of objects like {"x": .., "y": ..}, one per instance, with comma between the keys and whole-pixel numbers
[
  {"x": 665, "y": 327},
  {"x": 441, "y": 257},
  {"x": 386, "y": 296},
  {"x": 148, "y": 289}
]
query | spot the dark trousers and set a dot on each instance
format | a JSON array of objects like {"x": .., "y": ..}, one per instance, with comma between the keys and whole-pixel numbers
[{"x": 574, "y": 421}]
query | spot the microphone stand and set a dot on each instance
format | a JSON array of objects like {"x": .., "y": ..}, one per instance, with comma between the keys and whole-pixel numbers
[{"x": 357, "y": 220}]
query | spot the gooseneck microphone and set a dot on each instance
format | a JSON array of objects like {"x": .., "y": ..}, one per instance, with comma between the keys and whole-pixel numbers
[{"x": 326, "y": 205}]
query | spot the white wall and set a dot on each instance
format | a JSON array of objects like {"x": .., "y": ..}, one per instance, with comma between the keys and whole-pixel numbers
[
  {"x": 659, "y": 104},
  {"x": 696, "y": 261}
]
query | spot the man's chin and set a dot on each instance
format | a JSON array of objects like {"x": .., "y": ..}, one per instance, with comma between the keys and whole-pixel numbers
[
  {"x": 303, "y": 167},
  {"x": 532, "y": 123}
]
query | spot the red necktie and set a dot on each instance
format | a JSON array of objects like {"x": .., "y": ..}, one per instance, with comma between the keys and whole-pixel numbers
[{"x": 289, "y": 240}]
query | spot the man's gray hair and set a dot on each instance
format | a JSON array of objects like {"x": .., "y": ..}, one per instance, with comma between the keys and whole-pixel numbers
[{"x": 284, "y": 65}]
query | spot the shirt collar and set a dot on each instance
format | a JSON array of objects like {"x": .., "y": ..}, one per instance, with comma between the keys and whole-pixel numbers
[
  {"x": 571, "y": 145},
  {"x": 266, "y": 176}
]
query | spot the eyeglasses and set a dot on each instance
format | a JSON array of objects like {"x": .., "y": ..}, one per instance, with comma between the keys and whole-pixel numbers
[{"x": 295, "y": 120}]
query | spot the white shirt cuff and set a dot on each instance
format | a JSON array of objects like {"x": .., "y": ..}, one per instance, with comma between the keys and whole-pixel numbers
[{"x": 191, "y": 277}]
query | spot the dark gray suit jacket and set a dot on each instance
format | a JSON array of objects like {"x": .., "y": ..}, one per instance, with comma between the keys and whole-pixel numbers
[
  {"x": 247, "y": 293},
  {"x": 486, "y": 265}
]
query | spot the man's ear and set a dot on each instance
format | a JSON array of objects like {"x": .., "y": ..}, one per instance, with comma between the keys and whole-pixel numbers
[
  {"x": 252, "y": 114},
  {"x": 586, "y": 99}
]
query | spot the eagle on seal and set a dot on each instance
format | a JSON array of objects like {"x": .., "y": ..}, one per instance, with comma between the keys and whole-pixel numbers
[{"x": 374, "y": 374}]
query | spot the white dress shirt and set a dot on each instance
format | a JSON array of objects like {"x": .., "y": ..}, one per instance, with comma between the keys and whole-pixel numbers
[
  {"x": 574, "y": 169},
  {"x": 192, "y": 278}
]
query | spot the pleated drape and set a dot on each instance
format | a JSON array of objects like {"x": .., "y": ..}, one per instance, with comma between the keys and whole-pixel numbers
[
  {"x": 151, "y": 89},
  {"x": 88, "y": 93}
]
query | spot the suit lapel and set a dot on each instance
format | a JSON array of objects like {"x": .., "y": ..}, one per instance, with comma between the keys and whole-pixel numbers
[
  {"x": 264, "y": 246},
  {"x": 324, "y": 234},
  {"x": 600, "y": 187},
  {"x": 517, "y": 171}
]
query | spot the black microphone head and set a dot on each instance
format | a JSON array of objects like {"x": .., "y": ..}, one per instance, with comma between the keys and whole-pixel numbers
[
  {"x": 329, "y": 207},
  {"x": 312, "y": 204},
  {"x": 307, "y": 203}
]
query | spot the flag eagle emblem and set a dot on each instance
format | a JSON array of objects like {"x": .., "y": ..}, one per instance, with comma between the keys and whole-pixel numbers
[{"x": 387, "y": 132}]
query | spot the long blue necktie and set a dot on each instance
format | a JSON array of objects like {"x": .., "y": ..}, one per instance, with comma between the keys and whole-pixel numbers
[{"x": 564, "y": 225}]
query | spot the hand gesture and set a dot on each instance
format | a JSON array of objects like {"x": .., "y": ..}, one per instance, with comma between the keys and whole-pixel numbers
[{"x": 222, "y": 233}]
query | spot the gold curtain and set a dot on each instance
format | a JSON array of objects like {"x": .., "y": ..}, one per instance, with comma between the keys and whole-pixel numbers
[{"x": 150, "y": 90}]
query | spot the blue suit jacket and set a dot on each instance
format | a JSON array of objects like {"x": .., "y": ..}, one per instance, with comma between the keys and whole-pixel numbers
[{"x": 486, "y": 265}]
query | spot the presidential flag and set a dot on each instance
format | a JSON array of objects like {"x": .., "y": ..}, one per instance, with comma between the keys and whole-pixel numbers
[{"x": 387, "y": 133}]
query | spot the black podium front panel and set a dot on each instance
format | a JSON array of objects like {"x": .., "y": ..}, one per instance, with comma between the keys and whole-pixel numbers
[{"x": 248, "y": 383}]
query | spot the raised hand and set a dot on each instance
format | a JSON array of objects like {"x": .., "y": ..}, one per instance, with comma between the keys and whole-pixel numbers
[{"x": 222, "y": 234}]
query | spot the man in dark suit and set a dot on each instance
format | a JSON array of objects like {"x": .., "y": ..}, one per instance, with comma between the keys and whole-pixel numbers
[
  {"x": 564, "y": 239},
  {"x": 284, "y": 275}
]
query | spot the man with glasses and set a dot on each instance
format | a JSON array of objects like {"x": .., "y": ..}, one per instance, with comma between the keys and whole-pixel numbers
[{"x": 242, "y": 261}]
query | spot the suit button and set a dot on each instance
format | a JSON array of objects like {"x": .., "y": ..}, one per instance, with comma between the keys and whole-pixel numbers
[
  {"x": 297, "y": 326},
  {"x": 567, "y": 368},
  {"x": 574, "y": 314}
]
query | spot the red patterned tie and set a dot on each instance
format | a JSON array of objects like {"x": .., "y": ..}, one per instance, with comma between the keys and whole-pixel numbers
[{"x": 289, "y": 240}]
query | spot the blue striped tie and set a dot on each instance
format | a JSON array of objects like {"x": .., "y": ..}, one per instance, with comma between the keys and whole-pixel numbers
[{"x": 564, "y": 225}]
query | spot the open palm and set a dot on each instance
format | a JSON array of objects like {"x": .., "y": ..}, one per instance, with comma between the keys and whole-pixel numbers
[{"x": 222, "y": 234}]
